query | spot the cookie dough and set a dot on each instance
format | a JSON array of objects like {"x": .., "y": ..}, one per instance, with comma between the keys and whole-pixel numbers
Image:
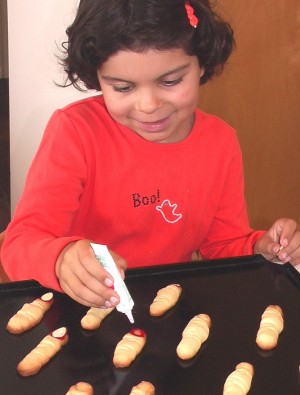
[
  {"x": 81, "y": 388},
  {"x": 165, "y": 299},
  {"x": 239, "y": 381},
  {"x": 271, "y": 325},
  {"x": 30, "y": 314},
  {"x": 143, "y": 388},
  {"x": 94, "y": 317},
  {"x": 43, "y": 352},
  {"x": 129, "y": 347},
  {"x": 195, "y": 333}
]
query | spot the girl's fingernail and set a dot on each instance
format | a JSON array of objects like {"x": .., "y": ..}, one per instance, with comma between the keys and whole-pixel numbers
[
  {"x": 113, "y": 300},
  {"x": 280, "y": 248},
  {"x": 108, "y": 304},
  {"x": 108, "y": 282}
]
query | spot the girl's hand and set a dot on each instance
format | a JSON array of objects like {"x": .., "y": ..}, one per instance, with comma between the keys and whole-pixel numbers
[
  {"x": 281, "y": 242},
  {"x": 83, "y": 278}
]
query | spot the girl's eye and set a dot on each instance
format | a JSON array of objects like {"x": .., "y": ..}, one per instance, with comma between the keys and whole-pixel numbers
[
  {"x": 173, "y": 82},
  {"x": 122, "y": 89}
]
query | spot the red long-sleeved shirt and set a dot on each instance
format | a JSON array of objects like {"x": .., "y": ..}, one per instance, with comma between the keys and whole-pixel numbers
[{"x": 93, "y": 178}]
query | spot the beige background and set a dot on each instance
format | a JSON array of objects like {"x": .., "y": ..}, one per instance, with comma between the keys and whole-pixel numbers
[{"x": 259, "y": 94}]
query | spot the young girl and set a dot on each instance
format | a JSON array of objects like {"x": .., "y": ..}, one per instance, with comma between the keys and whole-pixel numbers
[{"x": 139, "y": 168}]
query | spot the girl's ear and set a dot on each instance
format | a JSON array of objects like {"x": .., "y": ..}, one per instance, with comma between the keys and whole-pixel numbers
[{"x": 202, "y": 71}]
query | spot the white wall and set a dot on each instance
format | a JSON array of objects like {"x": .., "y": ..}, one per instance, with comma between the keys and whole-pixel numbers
[{"x": 35, "y": 27}]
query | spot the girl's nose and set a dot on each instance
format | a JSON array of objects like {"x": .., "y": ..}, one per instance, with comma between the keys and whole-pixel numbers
[{"x": 147, "y": 101}]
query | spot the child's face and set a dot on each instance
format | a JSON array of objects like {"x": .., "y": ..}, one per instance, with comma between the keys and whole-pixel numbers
[{"x": 154, "y": 93}]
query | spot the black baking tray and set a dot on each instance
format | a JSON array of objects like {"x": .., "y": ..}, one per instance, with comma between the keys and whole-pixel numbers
[{"x": 234, "y": 292}]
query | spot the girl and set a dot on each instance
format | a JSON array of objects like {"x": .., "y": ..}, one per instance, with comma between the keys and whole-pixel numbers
[{"x": 139, "y": 168}]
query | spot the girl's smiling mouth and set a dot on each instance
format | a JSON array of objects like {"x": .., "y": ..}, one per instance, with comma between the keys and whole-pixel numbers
[{"x": 155, "y": 126}]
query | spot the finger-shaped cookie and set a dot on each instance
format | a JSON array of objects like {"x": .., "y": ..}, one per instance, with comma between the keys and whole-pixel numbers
[
  {"x": 271, "y": 325},
  {"x": 30, "y": 314},
  {"x": 94, "y": 317},
  {"x": 239, "y": 381},
  {"x": 81, "y": 388},
  {"x": 194, "y": 334},
  {"x": 129, "y": 347},
  {"x": 143, "y": 388},
  {"x": 165, "y": 299},
  {"x": 49, "y": 346}
]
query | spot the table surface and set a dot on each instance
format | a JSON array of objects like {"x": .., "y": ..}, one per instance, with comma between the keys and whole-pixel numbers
[{"x": 234, "y": 292}]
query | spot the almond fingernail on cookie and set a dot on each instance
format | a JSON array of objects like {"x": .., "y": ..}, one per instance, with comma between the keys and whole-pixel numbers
[
  {"x": 49, "y": 346},
  {"x": 30, "y": 314}
]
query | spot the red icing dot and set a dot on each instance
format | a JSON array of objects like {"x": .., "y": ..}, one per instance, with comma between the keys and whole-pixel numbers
[{"x": 138, "y": 332}]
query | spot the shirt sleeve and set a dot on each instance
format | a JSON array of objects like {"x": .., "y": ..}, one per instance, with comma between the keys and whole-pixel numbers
[
  {"x": 40, "y": 227},
  {"x": 230, "y": 233}
]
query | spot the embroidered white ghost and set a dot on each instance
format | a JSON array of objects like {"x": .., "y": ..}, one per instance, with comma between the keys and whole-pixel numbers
[{"x": 167, "y": 210}]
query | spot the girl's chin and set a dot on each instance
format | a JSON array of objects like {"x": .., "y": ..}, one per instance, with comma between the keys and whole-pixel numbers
[{"x": 159, "y": 137}]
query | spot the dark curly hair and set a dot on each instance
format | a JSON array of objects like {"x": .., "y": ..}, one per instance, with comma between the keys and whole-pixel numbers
[{"x": 103, "y": 27}]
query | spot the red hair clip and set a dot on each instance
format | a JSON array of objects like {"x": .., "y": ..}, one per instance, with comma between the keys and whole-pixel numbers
[{"x": 190, "y": 14}]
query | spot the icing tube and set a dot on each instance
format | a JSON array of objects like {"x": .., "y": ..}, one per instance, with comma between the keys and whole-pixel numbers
[{"x": 126, "y": 303}]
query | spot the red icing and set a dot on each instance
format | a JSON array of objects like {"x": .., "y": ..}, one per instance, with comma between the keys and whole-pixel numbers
[
  {"x": 138, "y": 332},
  {"x": 59, "y": 337},
  {"x": 46, "y": 301}
]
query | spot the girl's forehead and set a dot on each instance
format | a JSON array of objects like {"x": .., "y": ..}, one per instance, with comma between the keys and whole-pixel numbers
[{"x": 149, "y": 62}]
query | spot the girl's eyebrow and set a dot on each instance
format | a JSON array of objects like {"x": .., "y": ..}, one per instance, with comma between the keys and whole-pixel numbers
[
  {"x": 114, "y": 79},
  {"x": 179, "y": 68},
  {"x": 117, "y": 79}
]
